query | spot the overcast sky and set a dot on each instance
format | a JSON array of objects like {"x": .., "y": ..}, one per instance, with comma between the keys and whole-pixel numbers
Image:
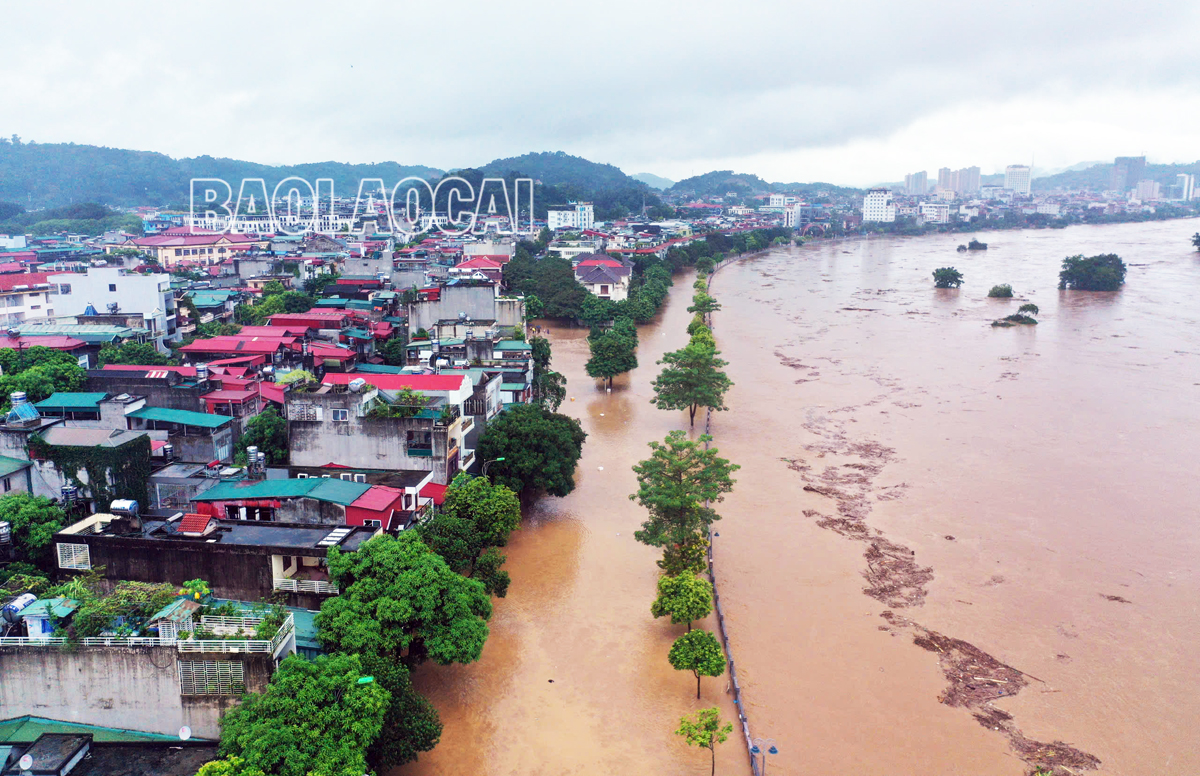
[{"x": 851, "y": 92}]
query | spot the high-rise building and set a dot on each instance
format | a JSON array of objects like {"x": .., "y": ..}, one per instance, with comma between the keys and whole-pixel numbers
[
  {"x": 965, "y": 181},
  {"x": 1127, "y": 171},
  {"x": 580, "y": 216},
  {"x": 1147, "y": 190},
  {"x": 916, "y": 183},
  {"x": 1018, "y": 178},
  {"x": 943, "y": 183},
  {"x": 877, "y": 206},
  {"x": 1186, "y": 184}
]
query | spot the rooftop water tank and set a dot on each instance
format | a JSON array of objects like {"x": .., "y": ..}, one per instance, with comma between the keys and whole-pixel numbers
[
  {"x": 123, "y": 506},
  {"x": 12, "y": 610},
  {"x": 357, "y": 385}
]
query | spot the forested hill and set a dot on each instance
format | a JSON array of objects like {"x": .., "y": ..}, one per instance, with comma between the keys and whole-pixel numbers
[
  {"x": 560, "y": 169},
  {"x": 1098, "y": 176},
  {"x": 719, "y": 183},
  {"x": 57, "y": 174}
]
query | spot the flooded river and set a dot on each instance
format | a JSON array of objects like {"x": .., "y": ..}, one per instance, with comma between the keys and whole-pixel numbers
[{"x": 937, "y": 525}]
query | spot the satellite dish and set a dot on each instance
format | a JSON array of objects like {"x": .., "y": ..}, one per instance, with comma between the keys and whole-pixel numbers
[
  {"x": 26, "y": 762},
  {"x": 185, "y": 733}
]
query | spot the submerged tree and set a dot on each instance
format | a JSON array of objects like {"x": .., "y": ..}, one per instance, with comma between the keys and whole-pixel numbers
[
  {"x": 947, "y": 277},
  {"x": 674, "y": 484},
  {"x": 697, "y": 651},
  {"x": 684, "y": 597},
  {"x": 705, "y": 732},
  {"x": 692, "y": 378},
  {"x": 1105, "y": 272}
]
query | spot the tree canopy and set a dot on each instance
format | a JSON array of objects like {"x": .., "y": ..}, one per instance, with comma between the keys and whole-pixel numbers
[
  {"x": 132, "y": 353},
  {"x": 697, "y": 651},
  {"x": 315, "y": 717},
  {"x": 34, "y": 521},
  {"x": 267, "y": 431},
  {"x": 39, "y": 372},
  {"x": 475, "y": 519},
  {"x": 692, "y": 378},
  {"x": 673, "y": 485},
  {"x": 549, "y": 387},
  {"x": 550, "y": 279},
  {"x": 614, "y": 351},
  {"x": 540, "y": 449},
  {"x": 1105, "y": 272},
  {"x": 684, "y": 597},
  {"x": 705, "y": 731},
  {"x": 399, "y": 599},
  {"x": 947, "y": 277}
]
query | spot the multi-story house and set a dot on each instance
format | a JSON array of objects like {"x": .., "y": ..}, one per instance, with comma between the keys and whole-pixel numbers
[
  {"x": 112, "y": 291},
  {"x": 25, "y": 297}
]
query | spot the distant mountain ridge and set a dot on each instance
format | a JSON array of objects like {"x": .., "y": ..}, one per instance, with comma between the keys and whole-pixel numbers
[
  {"x": 556, "y": 168},
  {"x": 653, "y": 181},
  {"x": 56, "y": 174}
]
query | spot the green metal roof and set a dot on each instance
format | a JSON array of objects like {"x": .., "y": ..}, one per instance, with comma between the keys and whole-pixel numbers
[
  {"x": 358, "y": 333},
  {"x": 333, "y": 490},
  {"x": 72, "y": 401},
  {"x": 380, "y": 369},
  {"x": 81, "y": 331},
  {"x": 182, "y": 417},
  {"x": 359, "y": 304},
  {"x": 512, "y": 386},
  {"x": 11, "y": 465},
  {"x": 25, "y": 730},
  {"x": 512, "y": 345},
  {"x": 46, "y": 607},
  {"x": 208, "y": 300},
  {"x": 386, "y": 295},
  {"x": 332, "y": 302}
]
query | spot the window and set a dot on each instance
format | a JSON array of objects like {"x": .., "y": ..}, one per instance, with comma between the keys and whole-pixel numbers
[
  {"x": 302, "y": 476},
  {"x": 178, "y": 252},
  {"x": 64, "y": 289},
  {"x": 74, "y": 556},
  {"x": 340, "y": 415},
  {"x": 372, "y": 523},
  {"x": 7, "y": 484},
  {"x": 360, "y": 478},
  {"x": 347, "y": 477},
  {"x": 211, "y": 677},
  {"x": 112, "y": 287}
]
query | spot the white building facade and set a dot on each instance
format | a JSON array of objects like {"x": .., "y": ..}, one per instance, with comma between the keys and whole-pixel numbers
[
  {"x": 1018, "y": 178},
  {"x": 581, "y": 215},
  {"x": 935, "y": 212},
  {"x": 878, "y": 207},
  {"x": 133, "y": 294}
]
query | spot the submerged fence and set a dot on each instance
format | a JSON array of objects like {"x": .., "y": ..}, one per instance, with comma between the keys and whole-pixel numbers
[{"x": 734, "y": 684}]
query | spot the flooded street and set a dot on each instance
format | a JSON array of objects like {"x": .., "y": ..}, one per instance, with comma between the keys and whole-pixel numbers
[{"x": 1025, "y": 496}]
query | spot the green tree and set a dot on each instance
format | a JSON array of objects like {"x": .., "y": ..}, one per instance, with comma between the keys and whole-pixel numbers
[
  {"x": 400, "y": 600},
  {"x": 947, "y": 277},
  {"x": 1196, "y": 240},
  {"x": 272, "y": 289},
  {"x": 533, "y": 307},
  {"x": 687, "y": 556},
  {"x": 613, "y": 353},
  {"x": 673, "y": 485},
  {"x": 1002, "y": 291},
  {"x": 411, "y": 724},
  {"x": 314, "y": 717},
  {"x": 699, "y": 652},
  {"x": 540, "y": 449},
  {"x": 315, "y": 286},
  {"x": 475, "y": 519},
  {"x": 132, "y": 353},
  {"x": 549, "y": 387},
  {"x": 1105, "y": 272},
  {"x": 39, "y": 372},
  {"x": 692, "y": 378},
  {"x": 34, "y": 521},
  {"x": 267, "y": 431},
  {"x": 394, "y": 351},
  {"x": 705, "y": 732},
  {"x": 1028, "y": 308},
  {"x": 296, "y": 302},
  {"x": 685, "y": 597},
  {"x": 596, "y": 311},
  {"x": 703, "y": 304}
]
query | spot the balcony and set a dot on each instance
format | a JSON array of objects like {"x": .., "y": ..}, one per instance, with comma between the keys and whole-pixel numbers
[
  {"x": 420, "y": 452},
  {"x": 305, "y": 586}
]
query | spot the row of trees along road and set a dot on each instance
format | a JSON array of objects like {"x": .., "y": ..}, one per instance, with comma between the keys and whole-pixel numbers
[
  {"x": 677, "y": 486},
  {"x": 424, "y": 595}
]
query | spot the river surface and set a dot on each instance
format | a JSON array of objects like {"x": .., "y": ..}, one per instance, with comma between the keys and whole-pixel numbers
[{"x": 1021, "y": 500}]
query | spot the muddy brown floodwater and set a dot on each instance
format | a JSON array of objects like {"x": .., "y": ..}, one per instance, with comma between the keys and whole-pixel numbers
[{"x": 952, "y": 549}]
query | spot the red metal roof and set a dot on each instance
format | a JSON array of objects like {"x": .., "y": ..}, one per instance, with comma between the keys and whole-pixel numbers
[
  {"x": 328, "y": 351},
  {"x": 396, "y": 382},
  {"x": 238, "y": 344},
  {"x": 378, "y": 498},
  {"x": 192, "y": 523},
  {"x": 273, "y": 331},
  {"x": 311, "y": 320},
  {"x": 479, "y": 263},
  {"x": 55, "y": 342},
  {"x": 229, "y": 395},
  {"x": 271, "y": 392},
  {"x": 183, "y": 371},
  {"x": 30, "y": 279},
  {"x": 435, "y": 492}
]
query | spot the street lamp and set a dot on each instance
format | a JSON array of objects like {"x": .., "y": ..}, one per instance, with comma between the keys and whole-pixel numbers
[
  {"x": 488, "y": 463},
  {"x": 764, "y": 747}
]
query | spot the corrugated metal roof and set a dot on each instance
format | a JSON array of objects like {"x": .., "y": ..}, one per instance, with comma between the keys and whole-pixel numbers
[
  {"x": 68, "y": 400},
  {"x": 182, "y": 417},
  {"x": 332, "y": 490},
  {"x": 11, "y": 465},
  {"x": 511, "y": 345}
]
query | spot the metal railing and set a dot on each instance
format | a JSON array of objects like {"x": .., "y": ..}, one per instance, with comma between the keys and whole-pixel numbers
[
  {"x": 34, "y": 641},
  {"x": 212, "y": 622},
  {"x": 304, "y": 585}
]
